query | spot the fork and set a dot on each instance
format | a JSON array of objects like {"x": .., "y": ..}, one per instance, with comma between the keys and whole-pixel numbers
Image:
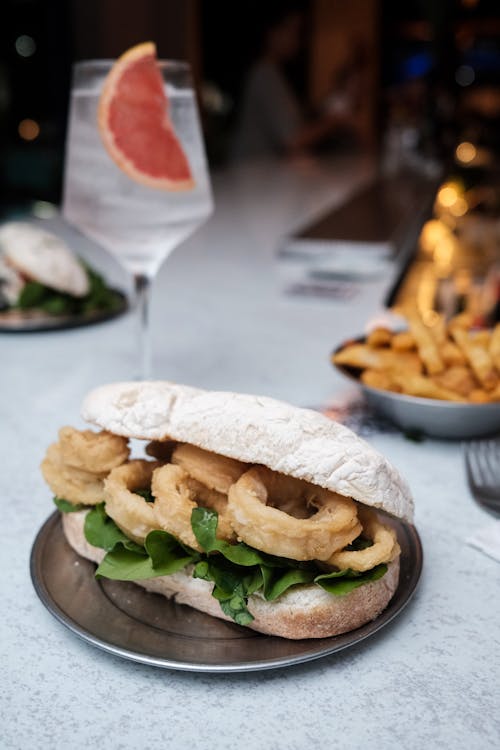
[{"x": 482, "y": 462}]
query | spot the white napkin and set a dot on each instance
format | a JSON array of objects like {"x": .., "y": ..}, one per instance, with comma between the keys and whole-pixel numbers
[{"x": 487, "y": 540}]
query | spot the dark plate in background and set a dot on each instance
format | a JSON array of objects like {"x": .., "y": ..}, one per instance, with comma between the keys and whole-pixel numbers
[{"x": 32, "y": 321}]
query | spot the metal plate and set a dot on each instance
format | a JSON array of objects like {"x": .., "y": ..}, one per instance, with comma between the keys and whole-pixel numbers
[
  {"x": 33, "y": 321},
  {"x": 125, "y": 620},
  {"x": 444, "y": 419}
]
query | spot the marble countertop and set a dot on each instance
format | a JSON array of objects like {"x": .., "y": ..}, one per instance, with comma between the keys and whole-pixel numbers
[{"x": 220, "y": 320}]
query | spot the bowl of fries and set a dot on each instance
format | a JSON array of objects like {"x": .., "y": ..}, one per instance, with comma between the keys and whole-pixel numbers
[{"x": 441, "y": 380}]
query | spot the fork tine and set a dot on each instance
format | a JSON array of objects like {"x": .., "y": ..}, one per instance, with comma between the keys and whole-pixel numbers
[
  {"x": 468, "y": 469},
  {"x": 486, "y": 458},
  {"x": 482, "y": 455},
  {"x": 495, "y": 454},
  {"x": 491, "y": 461},
  {"x": 473, "y": 466},
  {"x": 482, "y": 464}
]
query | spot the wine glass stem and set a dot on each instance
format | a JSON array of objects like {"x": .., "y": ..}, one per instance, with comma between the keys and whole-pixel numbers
[{"x": 142, "y": 284}]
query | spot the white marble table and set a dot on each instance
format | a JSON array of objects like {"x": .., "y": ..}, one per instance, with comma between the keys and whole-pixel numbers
[{"x": 431, "y": 679}]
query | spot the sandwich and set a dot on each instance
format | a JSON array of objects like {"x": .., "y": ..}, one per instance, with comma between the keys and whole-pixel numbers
[
  {"x": 244, "y": 507},
  {"x": 39, "y": 272}
]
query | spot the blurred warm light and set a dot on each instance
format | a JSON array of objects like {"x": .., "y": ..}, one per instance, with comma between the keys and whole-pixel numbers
[
  {"x": 25, "y": 45},
  {"x": 426, "y": 292},
  {"x": 466, "y": 152},
  {"x": 442, "y": 256},
  {"x": 28, "y": 130},
  {"x": 469, "y": 3},
  {"x": 459, "y": 208},
  {"x": 447, "y": 195},
  {"x": 465, "y": 75},
  {"x": 462, "y": 281},
  {"x": 449, "y": 220},
  {"x": 432, "y": 232}
]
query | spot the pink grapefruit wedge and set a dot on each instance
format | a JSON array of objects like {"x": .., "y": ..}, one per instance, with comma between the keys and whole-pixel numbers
[{"x": 134, "y": 123}]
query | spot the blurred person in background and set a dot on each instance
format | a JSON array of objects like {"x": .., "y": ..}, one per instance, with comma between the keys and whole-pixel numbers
[{"x": 271, "y": 120}]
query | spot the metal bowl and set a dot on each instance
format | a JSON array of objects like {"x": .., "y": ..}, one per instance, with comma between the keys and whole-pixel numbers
[{"x": 428, "y": 416}]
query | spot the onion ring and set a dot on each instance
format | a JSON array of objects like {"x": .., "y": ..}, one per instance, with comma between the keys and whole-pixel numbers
[
  {"x": 214, "y": 471},
  {"x": 272, "y": 530},
  {"x": 96, "y": 452},
  {"x": 131, "y": 512},
  {"x": 74, "y": 485},
  {"x": 176, "y": 495},
  {"x": 384, "y": 549}
]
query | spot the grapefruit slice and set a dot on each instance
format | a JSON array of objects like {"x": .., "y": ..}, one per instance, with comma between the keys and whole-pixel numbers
[{"x": 134, "y": 123}]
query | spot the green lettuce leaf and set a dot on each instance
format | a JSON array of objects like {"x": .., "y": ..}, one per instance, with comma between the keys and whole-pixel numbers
[
  {"x": 66, "y": 507},
  {"x": 276, "y": 581},
  {"x": 162, "y": 556},
  {"x": 240, "y": 570},
  {"x": 166, "y": 551},
  {"x": 58, "y": 304},
  {"x": 126, "y": 560},
  {"x": 232, "y": 588},
  {"x": 236, "y": 570},
  {"x": 40, "y": 296},
  {"x": 122, "y": 564},
  {"x": 100, "y": 296},
  {"x": 36, "y": 295},
  {"x": 343, "y": 581},
  {"x": 32, "y": 294},
  {"x": 204, "y": 523},
  {"x": 101, "y": 531}
]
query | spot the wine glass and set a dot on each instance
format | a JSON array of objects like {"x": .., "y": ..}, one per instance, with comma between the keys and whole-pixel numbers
[{"x": 138, "y": 224}]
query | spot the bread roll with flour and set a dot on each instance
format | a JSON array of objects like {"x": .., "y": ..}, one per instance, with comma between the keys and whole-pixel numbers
[{"x": 300, "y": 500}]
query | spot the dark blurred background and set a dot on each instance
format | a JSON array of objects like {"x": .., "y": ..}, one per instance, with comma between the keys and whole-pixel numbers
[{"x": 420, "y": 78}]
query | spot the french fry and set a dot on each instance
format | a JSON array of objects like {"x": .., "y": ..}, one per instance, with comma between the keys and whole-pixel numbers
[
  {"x": 451, "y": 354},
  {"x": 440, "y": 361},
  {"x": 379, "y": 379},
  {"x": 423, "y": 386},
  {"x": 495, "y": 346},
  {"x": 458, "y": 379},
  {"x": 379, "y": 337},
  {"x": 482, "y": 337},
  {"x": 495, "y": 394},
  {"x": 478, "y": 396},
  {"x": 426, "y": 345},
  {"x": 463, "y": 320},
  {"x": 478, "y": 357},
  {"x": 403, "y": 341},
  {"x": 438, "y": 330},
  {"x": 362, "y": 356}
]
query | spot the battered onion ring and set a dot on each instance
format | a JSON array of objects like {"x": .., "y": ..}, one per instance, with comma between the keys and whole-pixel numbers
[
  {"x": 96, "y": 452},
  {"x": 176, "y": 495},
  {"x": 384, "y": 549},
  {"x": 271, "y": 530},
  {"x": 131, "y": 512},
  {"x": 214, "y": 471},
  {"x": 74, "y": 485}
]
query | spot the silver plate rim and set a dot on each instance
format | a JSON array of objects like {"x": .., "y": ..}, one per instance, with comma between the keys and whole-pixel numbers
[{"x": 402, "y": 597}]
